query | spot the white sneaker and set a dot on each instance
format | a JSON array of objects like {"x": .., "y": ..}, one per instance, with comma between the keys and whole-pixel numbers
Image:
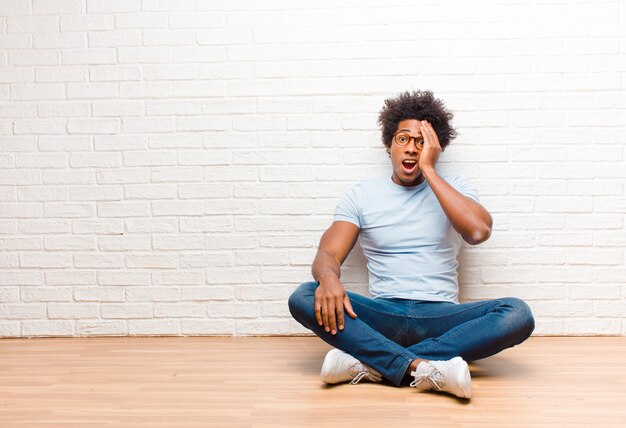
[
  {"x": 342, "y": 367},
  {"x": 451, "y": 376}
]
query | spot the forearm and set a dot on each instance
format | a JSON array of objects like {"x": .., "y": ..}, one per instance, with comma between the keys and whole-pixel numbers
[
  {"x": 325, "y": 265},
  {"x": 468, "y": 217}
]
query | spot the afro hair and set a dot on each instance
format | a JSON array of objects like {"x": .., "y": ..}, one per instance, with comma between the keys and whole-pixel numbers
[{"x": 420, "y": 105}]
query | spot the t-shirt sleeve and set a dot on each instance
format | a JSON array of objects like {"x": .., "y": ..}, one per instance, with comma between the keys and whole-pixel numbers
[
  {"x": 348, "y": 208},
  {"x": 464, "y": 187}
]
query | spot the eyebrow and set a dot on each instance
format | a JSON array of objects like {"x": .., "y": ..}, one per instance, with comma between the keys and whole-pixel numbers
[{"x": 419, "y": 134}]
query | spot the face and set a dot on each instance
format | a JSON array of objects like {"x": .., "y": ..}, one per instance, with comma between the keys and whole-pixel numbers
[{"x": 404, "y": 159}]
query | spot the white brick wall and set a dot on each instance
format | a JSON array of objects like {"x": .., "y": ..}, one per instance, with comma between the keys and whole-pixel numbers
[{"x": 167, "y": 167}]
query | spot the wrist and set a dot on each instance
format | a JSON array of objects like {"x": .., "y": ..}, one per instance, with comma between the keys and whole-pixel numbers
[
  {"x": 327, "y": 276},
  {"x": 428, "y": 171}
]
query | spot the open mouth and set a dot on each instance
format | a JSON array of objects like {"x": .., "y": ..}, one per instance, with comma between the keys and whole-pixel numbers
[{"x": 409, "y": 165}]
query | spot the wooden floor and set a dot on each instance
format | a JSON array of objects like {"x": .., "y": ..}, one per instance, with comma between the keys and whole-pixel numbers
[{"x": 273, "y": 382}]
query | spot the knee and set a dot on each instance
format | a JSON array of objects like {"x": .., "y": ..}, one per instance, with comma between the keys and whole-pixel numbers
[
  {"x": 519, "y": 320},
  {"x": 302, "y": 299}
]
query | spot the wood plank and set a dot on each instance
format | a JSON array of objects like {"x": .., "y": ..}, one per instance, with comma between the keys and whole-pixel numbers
[{"x": 273, "y": 382}]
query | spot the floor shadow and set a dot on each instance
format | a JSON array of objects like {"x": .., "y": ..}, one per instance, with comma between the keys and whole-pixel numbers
[{"x": 497, "y": 366}]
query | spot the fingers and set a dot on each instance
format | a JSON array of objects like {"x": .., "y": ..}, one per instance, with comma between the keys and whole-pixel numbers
[
  {"x": 340, "y": 315},
  {"x": 329, "y": 312},
  {"x": 425, "y": 132},
  {"x": 348, "y": 306},
  {"x": 318, "y": 312},
  {"x": 332, "y": 318},
  {"x": 428, "y": 132},
  {"x": 325, "y": 316}
]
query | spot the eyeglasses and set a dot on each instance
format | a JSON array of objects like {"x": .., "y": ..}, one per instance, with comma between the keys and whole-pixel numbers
[{"x": 404, "y": 138}]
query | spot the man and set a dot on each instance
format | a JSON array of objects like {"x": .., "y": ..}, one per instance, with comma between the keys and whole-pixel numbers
[{"x": 410, "y": 226}]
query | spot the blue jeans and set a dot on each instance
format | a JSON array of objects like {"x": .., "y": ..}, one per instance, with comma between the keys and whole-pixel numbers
[{"x": 388, "y": 334}]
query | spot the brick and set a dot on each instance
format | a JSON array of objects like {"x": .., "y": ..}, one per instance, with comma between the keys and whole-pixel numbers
[
  {"x": 564, "y": 204},
  {"x": 101, "y": 328},
  {"x": 9, "y": 295},
  {"x": 126, "y": 311},
  {"x": 59, "y": 40},
  {"x": 197, "y": 20},
  {"x": 269, "y": 326},
  {"x": 152, "y": 294},
  {"x": 89, "y": 22},
  {"x": 595, "y": 256},
  {"x": 47, "y": 328},
  {"x": 594, "y": 221},
  {"x": 183, "y": 208},
  {"x": 10, "y": 329},
  {"x": 204, "y": 191},
  {"x": 113, "y": 6},
  {"x": 143, "y": 55},
  {"x": 99, "y": 294},
  {"x": 124, "y": 278},
  {"x": 61, "y": 74},
  {"x": 177, "y": 174},
  {"x": 228, "y": 275},
  {"x": 10, "y": 8},
  {"x": 150, "y": 225},
  {"x": 114, "y": 38},
  {"x": 99, "y": 261},
  {"x": 42, "y": 193},
  {"x": 217, "y": 207},
  {"x": 205, "y": 157},
  {"x": 153, "y": 328},
  {"x": 175, "y": 108},
  {"x": 594, "y": 292},
  {"x": 115, "y": 73},
  {"x": 72, "y": 310},
  {"x": 178, "y": 278},
  {"x": 98, "y": 227},
  {"x": 117, "y": 108},
  {"x": 91, "y": 56},
  {"x": 63, "y": 109},
  {"x": 175, "y": 141},
  {"x": 96, "y": 193},
  {"x": 141, "y": 20},
  {"x": 93, "y": 126},
  {"x": 232, "y": 309},
  {"x": 64, "y": 143},
  {"x": 208, "y": 293},
  {"x": 205, "y": 259},
  {"x": 179, "y": 242},
  {"x": 21, "y": 278},
  {"x": 129, "y": 242},
  {"x": 95, "y": 160},
  {"x": 207, "y": 328},
  {"x": 70, "y": 278},
  {"x": 68, "y": 209},
  {"x": 206, "y": 224},
  {"x": 589, "y": 326},
  {"x": 67, "y": 243},
  {"x": 179, "y": 310},
  {"x": 19, "y": 311},
  {"x": 150, "y": 191}
]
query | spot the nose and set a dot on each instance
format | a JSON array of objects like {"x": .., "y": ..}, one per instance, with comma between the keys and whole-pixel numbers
[{"x": 412, "y": 147}]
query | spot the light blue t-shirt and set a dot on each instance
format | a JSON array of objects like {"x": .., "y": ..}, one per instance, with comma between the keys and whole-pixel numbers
[{"x": 410, "y": 245}]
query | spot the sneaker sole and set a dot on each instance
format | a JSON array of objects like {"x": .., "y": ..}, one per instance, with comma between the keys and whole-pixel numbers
[
  {"x": 464, "y": 379},
  {"x": 329, "y": 362}
]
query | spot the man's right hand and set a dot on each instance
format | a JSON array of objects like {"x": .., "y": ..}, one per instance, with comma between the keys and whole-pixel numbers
[{"x": 330, "y": 300}]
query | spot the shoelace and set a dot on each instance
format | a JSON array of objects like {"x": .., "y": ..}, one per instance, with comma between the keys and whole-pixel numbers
[
  {"x": 433, "y": 377},
  {"x": 358, "y": 371}
]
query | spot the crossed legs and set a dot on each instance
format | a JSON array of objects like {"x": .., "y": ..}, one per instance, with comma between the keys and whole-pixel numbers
[{"x": 392, "y": 335}]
